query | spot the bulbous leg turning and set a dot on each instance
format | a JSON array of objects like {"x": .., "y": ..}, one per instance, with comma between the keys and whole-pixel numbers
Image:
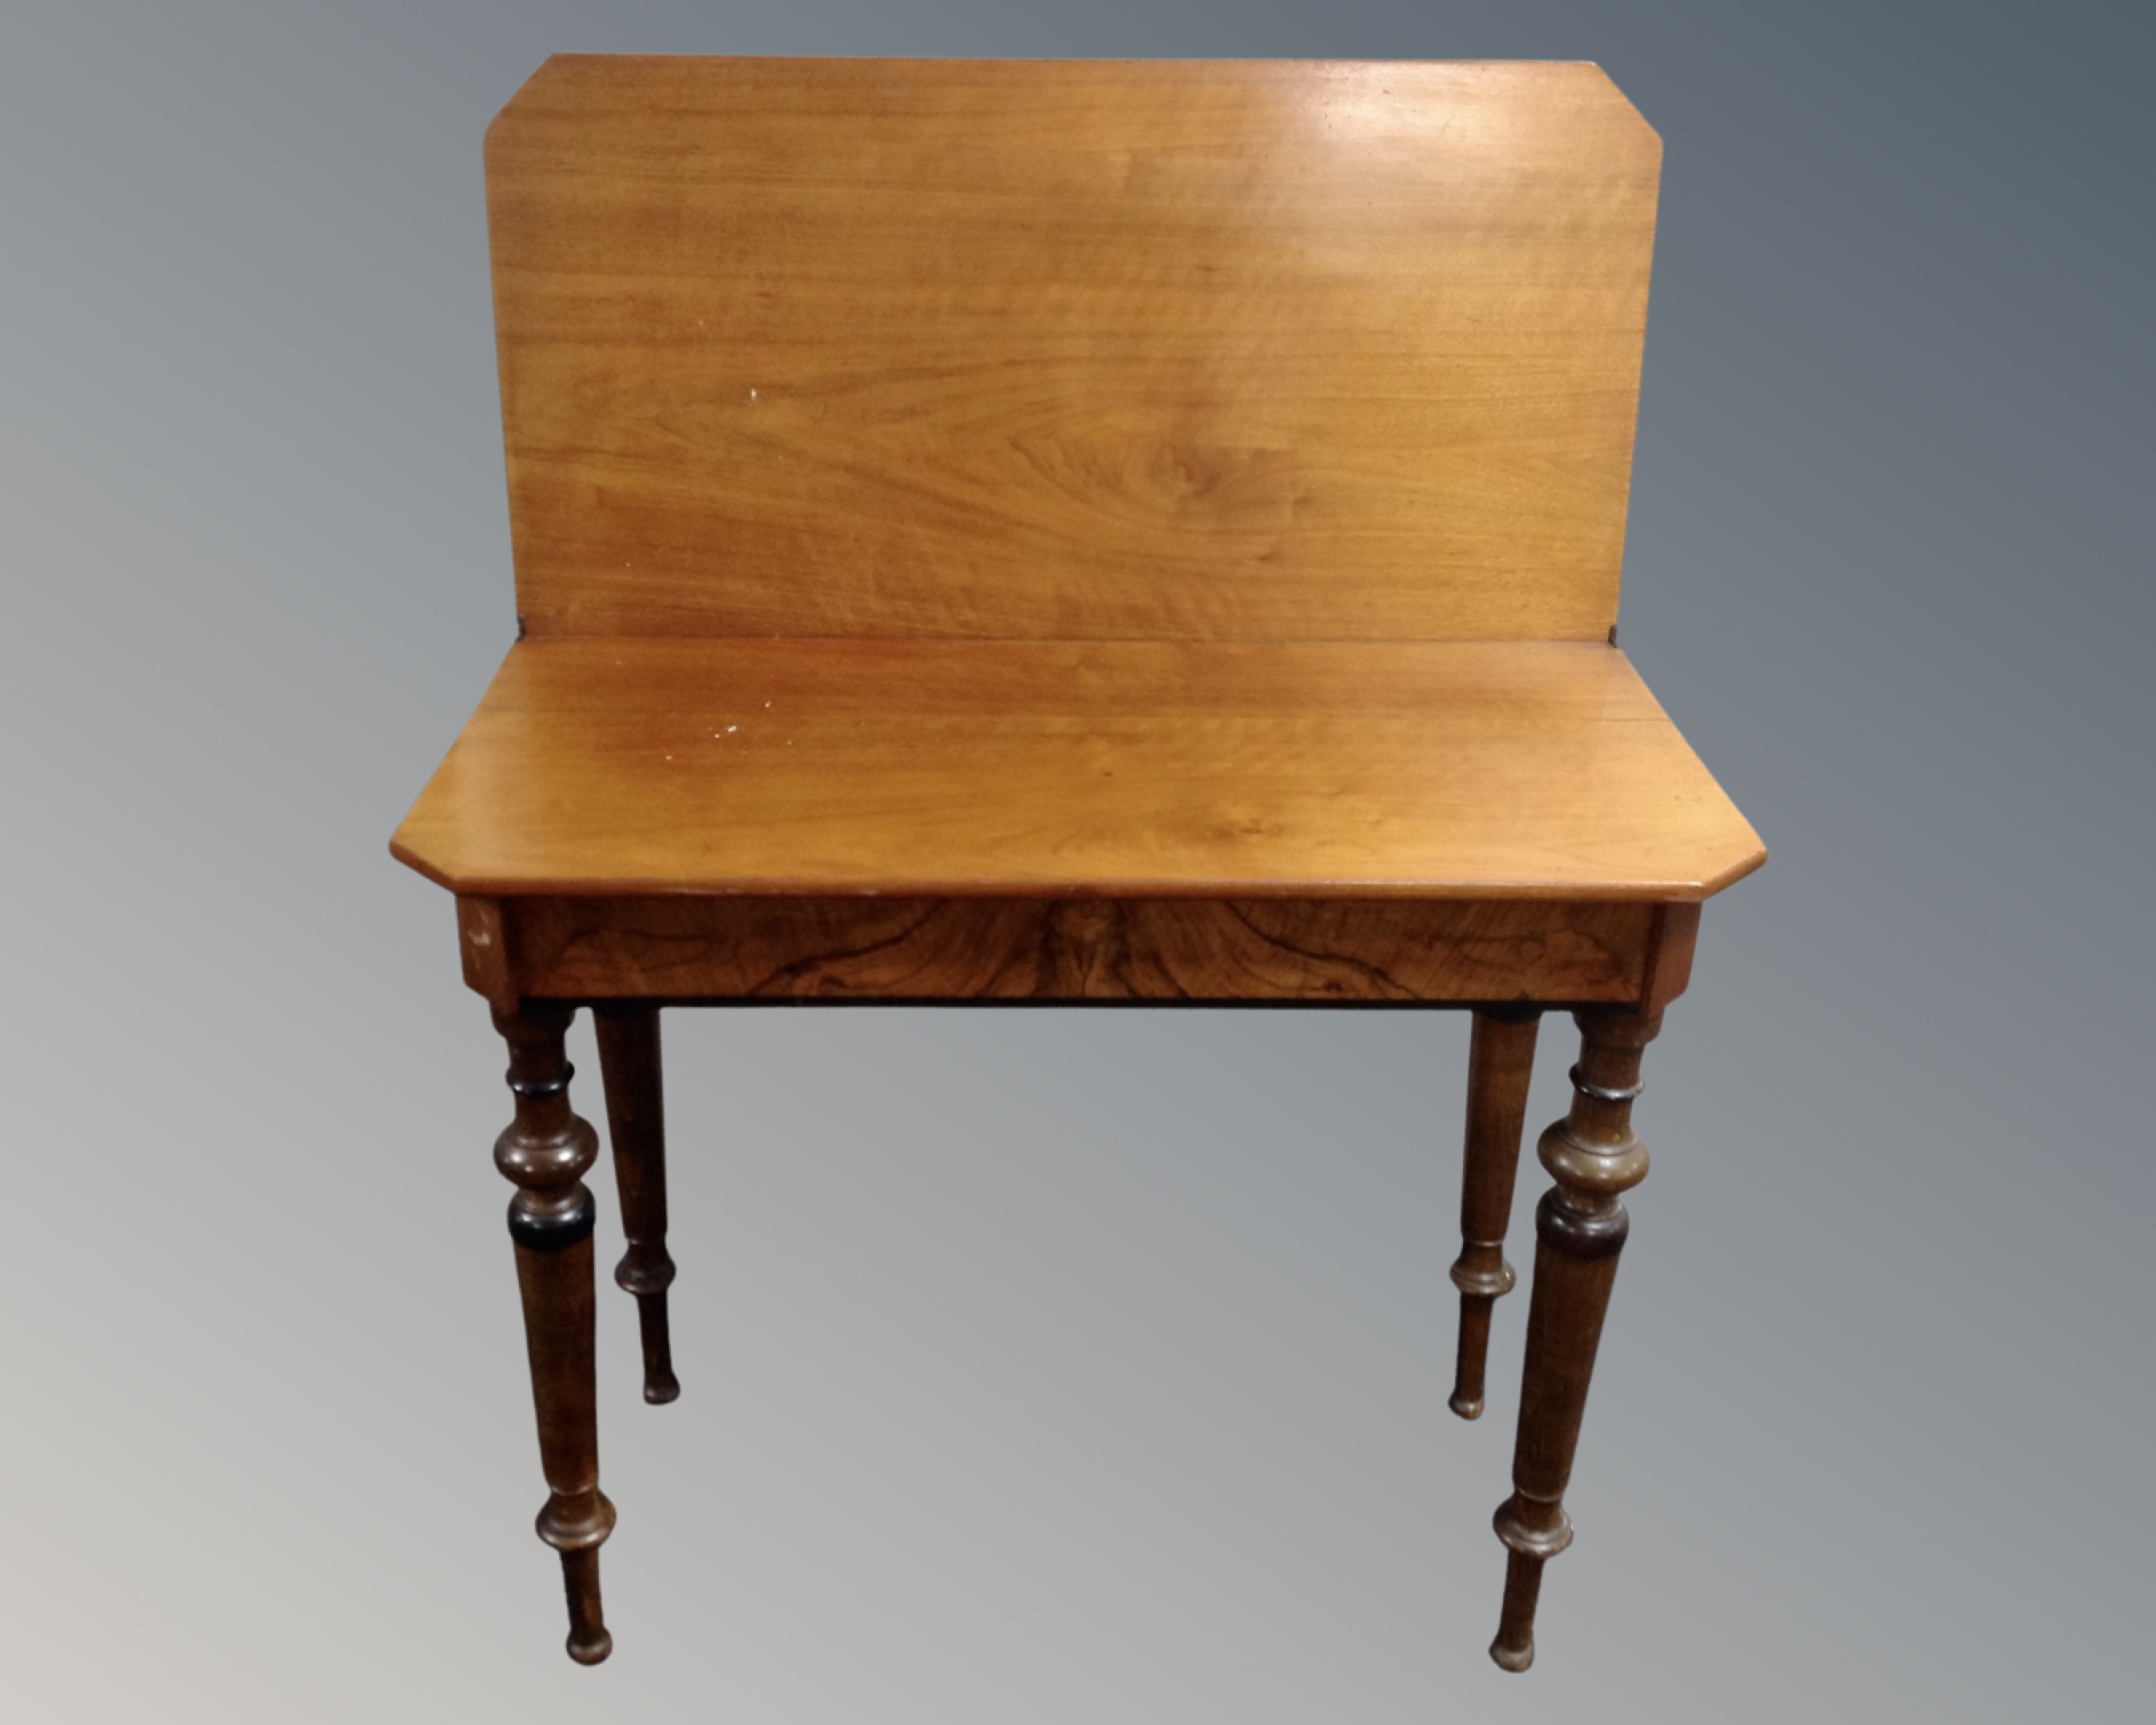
[
  {"x": 546, "y": 1151},
  {"x": 1580, "y": 1227}
]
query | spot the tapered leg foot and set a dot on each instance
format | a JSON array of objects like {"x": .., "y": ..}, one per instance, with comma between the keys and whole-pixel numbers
[
  {"x": 589, "y": 1639},
  {"x": 546, "y": 1151},
  {"x": 660, "y": 1385},
  {"x": 1580, "y": 1227},
  {"x": 1514, "y": 1649},
  {"x": 636, "y": 1121},
  {"x": 1500, "y": 1060}
]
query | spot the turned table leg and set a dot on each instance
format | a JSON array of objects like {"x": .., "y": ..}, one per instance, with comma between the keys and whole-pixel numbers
[
  {"x": 1501, "y": 1059},
  {"x": 546, "y": 1151},
  {"x": 1579, "y": 1228},
  {"x": 636, "y": 1122}
]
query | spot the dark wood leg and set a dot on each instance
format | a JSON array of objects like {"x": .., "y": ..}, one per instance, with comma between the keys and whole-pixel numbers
[
  {"x": 1501, "y": 1059},
  {"x": 546, "y": 1151},
  {"x": 1579, "y": 1229},
  {"x": 636, "y": 1122}
]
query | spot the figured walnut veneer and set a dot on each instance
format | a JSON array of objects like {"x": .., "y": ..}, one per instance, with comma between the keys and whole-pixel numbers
[
  {"x": 1311, "y": 951},
  {"x": 1077, "y": 531}
]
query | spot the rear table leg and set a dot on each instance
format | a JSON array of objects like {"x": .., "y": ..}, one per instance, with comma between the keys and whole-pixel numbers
[
  {"x": 636, "y": 1121},
  {"x": 1500, "y": 1061}
]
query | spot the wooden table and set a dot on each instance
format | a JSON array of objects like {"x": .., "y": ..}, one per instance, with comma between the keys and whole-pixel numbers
[{"x": 1085, "y": 531}]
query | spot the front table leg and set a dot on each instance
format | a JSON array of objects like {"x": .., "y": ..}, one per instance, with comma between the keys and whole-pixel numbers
[
  {"x": 1579, "y": 1228},
  {"x": 546, "y": 1151}
]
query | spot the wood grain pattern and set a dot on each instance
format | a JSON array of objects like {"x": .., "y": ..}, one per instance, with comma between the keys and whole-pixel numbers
[
  {"x": 1103, "y": 769},
  {"x": 1071, "y": 531},
  {"x": 858, "y": 948},
  {"x": 1243, "y": 350},
  {"x": 1594, "y": 1157}
]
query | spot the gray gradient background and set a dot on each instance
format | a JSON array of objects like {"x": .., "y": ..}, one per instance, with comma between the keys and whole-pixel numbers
[{"x": 1057, "y": 1366}]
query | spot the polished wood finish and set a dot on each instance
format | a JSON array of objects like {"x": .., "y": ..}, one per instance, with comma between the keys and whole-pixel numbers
[
  {"x": 546, "y": 1151},
  {"x": 483, "y": 939},
  {"x": 1501, "y": 1059},
  {"x": 636, "y": 1124},
  {"x": 1086, "y": 350},
  {"x": 1370, "y": 951},
  {"x": 1669, "y": 955},
  {"x": 1072, "y": 531},
  {"x": 1488, "y": 770},
  {"x": 1594, "y": 1156}
]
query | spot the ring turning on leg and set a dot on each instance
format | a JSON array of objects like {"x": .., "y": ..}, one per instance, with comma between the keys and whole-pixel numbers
[
  {"x": 1580, "y": 1225},
  {"x": 546, "y": 1151},
  {"x": 636, "y": 1122},
  {"x": 1501, "y": 1058}
]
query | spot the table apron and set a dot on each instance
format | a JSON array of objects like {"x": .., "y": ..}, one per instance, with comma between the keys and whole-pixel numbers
[{"x": 1311, "y": 951}]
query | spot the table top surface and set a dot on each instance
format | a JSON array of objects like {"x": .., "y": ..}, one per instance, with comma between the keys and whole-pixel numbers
[
  {"x": 1109, "y": 350},
  {"x": 1497, "y": 769}
]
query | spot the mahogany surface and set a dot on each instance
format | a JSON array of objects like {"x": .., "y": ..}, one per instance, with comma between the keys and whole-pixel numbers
[{"x": 1085, "y": 531}]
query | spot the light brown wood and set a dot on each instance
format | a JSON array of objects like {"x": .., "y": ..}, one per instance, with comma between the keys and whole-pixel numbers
[
  {"x": 1486, "y": 770},
  {"x": 1243, "y": 350},
  {"x": 903, "y": 948},
  {"x": 1072, "y": 531}
]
